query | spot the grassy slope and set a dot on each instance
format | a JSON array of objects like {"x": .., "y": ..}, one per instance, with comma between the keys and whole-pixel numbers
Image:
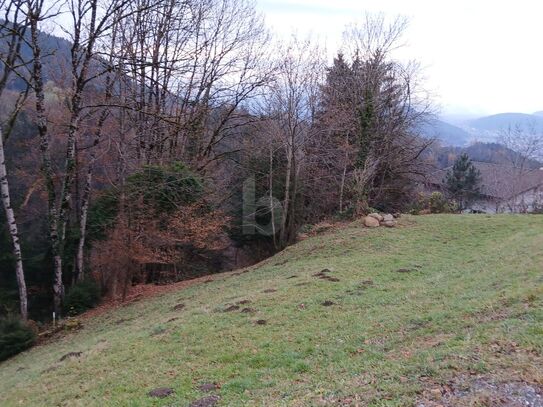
[{"x": 477, "y": 284}]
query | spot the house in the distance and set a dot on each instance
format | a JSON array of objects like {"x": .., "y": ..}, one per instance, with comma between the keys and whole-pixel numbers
[{"x": 504, "y": 188}]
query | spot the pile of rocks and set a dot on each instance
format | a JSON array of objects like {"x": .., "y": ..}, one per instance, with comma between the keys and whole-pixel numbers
[{"x": 374, "y": 220}]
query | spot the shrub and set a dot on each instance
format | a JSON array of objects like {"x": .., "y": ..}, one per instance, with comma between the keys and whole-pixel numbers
[
  {"x": 8, "y": 300},
  {"x": 81, "y": 297},
  {"x": 165, "y": 188},
  {"x": 436, "y": 202},
  {"x": 15, "y": 337},
  {"x": 102, "y": 215},
  {"x": 417, "y": 204}
]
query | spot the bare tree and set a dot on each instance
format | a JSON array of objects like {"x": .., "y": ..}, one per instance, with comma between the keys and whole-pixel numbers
[
  {"x": 290, "y": 106},
  {"x": 190, "y": 67},
  {"x": 91, "y": 20},
  {"x": 13, "y": 27},
  {"x": 526, "y": 143}
]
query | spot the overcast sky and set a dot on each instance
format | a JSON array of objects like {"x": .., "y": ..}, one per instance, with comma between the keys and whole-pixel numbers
[{"x": 479, "y": 56}]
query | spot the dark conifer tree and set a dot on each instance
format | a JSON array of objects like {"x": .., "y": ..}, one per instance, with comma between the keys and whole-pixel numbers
[{"x": 463, "y": 181}]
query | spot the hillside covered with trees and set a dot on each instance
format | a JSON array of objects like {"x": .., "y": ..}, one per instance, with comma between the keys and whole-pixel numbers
[
  {"x": 151, "y": 142},
  {"x": 198, "y": 211},
  {"x": 162, "y": 140}
]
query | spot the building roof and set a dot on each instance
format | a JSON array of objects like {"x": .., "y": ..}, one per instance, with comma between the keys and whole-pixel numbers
[{"x": 497, "y": 180}]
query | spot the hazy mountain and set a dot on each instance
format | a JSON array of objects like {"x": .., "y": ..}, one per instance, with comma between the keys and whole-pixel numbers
[
  {"x": 502, "y": 121},
  {"x": 55, "y": 58},
  {"x": 539, "y": 113},
  {"x": 444, "y": 156},
  {"x": 458, "y": 119},
  {"x": 447, "y": 133}
]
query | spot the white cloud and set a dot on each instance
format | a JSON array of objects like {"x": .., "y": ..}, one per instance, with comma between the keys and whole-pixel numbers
[{"x": 481, "y": 56}]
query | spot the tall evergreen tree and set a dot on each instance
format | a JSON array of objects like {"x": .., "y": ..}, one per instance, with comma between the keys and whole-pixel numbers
[{"x": 463, "y": 181}]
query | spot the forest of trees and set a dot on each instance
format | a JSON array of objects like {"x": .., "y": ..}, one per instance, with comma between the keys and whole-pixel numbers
[{"x": 127, "y": 156}]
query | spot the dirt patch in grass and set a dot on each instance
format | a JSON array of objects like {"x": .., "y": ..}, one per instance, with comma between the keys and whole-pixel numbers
[
  {"x": 494, "y": 315},
  {"x": 248, "y": 310},
  {"x": 323, "y": 275},
  {"x": 178, "y": 307},
  {"x": 482, "y": 391},
  {"x": 208, "y": 387},
  {"x": 328, "y": 303},
  {"x": 232, "y": 308},
  {"x": 328, "y": 278},
  {"x": 415, "y": 267},
  {"x": 143, "y": 291},
  {"x": 161, "y": 392},
  {"x": 70, "y": 355},
  {"x": 261, "y": 322},
  {"x": 50, "y": 369},
  {"x": 122, "y": 321},
  {"x": 208, "y": 401},
  {"x": 360, "y": 287},
  {"x": 243, "y": 302},
  {"x": 269, "y": 290}
]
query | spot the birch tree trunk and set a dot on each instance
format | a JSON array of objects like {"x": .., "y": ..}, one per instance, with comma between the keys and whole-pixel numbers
[
  {"x": 342, "y": 187},
  {"x": 286, "y": 201},
  {"x": 12, "y": 224},
  {"x": 272, "y": 202},
  {"x": 80, "y": 256},
  {"x": 83, "y": 225},
  {"x": 35, "y": 16}
]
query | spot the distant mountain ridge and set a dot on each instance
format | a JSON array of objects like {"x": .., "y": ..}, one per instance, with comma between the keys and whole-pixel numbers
[
  {"x": 444, "y": 156},
  {"x": 503, "y": 121},
  {"x": 487, "y": 129},
  {"x": 55, "y": 57},
  {"x": 447, "y": 133}
]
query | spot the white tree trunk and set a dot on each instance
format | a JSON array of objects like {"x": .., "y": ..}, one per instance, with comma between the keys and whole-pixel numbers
[
  {"x": 12, "y": 224},
  {"x": 83, "y": 225},
  {"x": 342, "y": 187},
  {"x": 47, "y": 165},
  {"x": 286, "y": 201},
  {"x": 272, "y": 202}
]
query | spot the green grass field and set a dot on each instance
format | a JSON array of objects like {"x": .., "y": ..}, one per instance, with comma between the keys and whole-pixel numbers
[{"x": 404, "y": 315}]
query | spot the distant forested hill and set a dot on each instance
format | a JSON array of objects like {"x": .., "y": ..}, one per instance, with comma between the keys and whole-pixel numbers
[
  {"x": 56, "y": 54},
  {"x": 447, "y": 133},
  {"x": 444, "y": 156},
  {"x": 502, "y": 121}
]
